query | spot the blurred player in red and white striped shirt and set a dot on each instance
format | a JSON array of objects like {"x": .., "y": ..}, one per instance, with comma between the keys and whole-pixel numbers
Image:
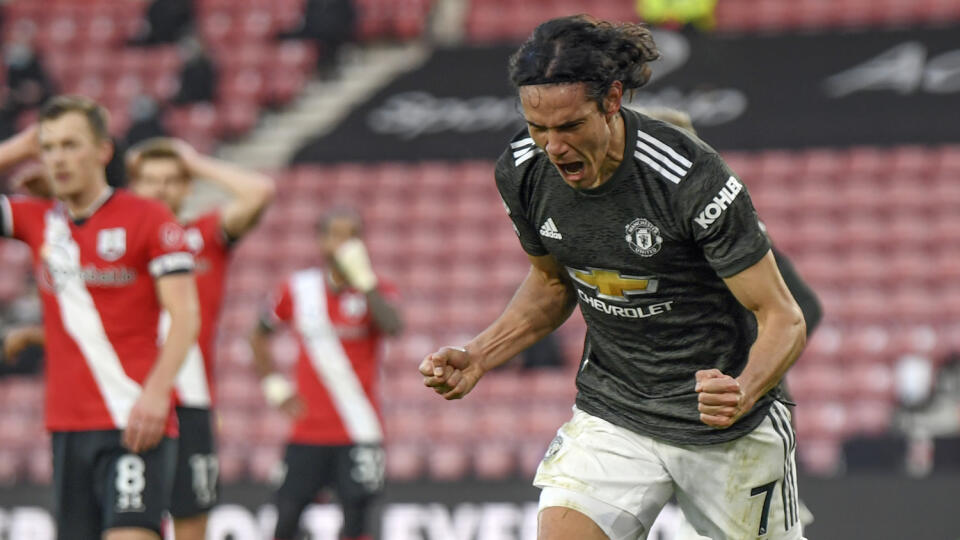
[
  {"x": 164, "y": 169},
  {"x": 339, "y": 314},
  {"x": 108, "y": 262}
]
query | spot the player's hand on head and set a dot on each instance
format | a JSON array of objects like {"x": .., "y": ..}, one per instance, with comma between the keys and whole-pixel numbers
[
  {"x": 33, "y": 180},
  {"x": 185, "y": 150},
  {"x": 148, "y": 420},
  {"x": 452, "y": 372},
  {"x": 720, "y": 400}
]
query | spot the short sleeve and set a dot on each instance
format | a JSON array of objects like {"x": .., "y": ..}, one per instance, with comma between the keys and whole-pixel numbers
[
  {"x": 720, "y": 215},
  {"x": 166, "y": 245},
  {"x": 21, "y": 218},
  {"x": 509, "y": 186},
  {"x": 211, "y": 229},
  {"x": 279, "y": 307}
]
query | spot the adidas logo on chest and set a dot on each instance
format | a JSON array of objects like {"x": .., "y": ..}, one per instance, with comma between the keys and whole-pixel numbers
[{"x": 550, "y": 230}]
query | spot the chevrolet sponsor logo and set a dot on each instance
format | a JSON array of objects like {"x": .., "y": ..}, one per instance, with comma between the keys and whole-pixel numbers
[{"x": 610, "y": 285}]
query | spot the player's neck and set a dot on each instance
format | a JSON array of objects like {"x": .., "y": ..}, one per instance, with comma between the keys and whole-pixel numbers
[
  {"x": 85, "y": 203},
  {"x": 614, "y": 156}
]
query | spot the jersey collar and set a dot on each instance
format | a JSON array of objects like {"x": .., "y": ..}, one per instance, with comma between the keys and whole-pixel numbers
[{"x": 81, "y": 217}]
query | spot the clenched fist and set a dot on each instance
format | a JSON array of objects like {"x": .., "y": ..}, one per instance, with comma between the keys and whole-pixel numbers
[{"x": 721, "y": 402}]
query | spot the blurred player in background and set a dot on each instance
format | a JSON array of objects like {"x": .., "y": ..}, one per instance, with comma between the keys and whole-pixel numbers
[
  {"x": 164, "y": 169},
  {"x": 648, "y": 228},
  {"x": 339, "y": 314},
  {"x": 108, "y": 263},
  {"x": 807, "y": 300}
]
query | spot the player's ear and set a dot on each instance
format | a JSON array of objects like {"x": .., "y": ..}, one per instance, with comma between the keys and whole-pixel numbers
[
  {"x": 611, "y": 102},
  {"x": 105, "y": 150}
]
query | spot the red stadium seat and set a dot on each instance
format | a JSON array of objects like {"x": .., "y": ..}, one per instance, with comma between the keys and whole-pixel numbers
[
  {"x": 39, "y": 462},
  {"x": 810, "y": 383},
  {"x": 447, "y": 461},
  {"x": 404, "y": 461},
  {"x": 871, "y": 416},
  {"x": 494, "y": 459},
  {"x": 822, "y": 420},
  {"x": 232, "y": 463},
  {"x": 868, "y": 380},
  {"x": 238, "y": 117},
  {"x": 9, "y": 466},
  {"x": 821, "y": 456}
]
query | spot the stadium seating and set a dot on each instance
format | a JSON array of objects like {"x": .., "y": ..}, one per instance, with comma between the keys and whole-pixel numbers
[{"x": 82, "y": 45}]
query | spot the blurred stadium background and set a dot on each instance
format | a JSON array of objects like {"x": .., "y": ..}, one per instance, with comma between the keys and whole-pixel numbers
[{"x": 840, "y": 116}]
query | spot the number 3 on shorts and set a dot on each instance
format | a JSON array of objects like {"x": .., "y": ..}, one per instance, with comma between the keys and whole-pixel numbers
[{"x": 767, "y": 491}]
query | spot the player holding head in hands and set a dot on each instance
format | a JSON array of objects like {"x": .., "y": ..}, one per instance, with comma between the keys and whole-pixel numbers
[
  {"x": 165, "y": 169},
  {"x": 689, "y": 323},
  {"x": 108, "y": 263},
  {"x": 339, "y": 315}
]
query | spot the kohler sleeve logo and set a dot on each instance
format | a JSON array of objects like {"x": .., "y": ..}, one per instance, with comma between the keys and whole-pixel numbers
[{"x": 720, "y": 203}]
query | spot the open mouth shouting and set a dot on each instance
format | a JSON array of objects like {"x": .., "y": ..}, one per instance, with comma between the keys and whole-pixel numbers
[{"x": 571, "y": 171}]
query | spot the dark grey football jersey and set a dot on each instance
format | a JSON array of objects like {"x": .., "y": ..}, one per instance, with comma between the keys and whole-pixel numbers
[{"x": 646, "y": 252}]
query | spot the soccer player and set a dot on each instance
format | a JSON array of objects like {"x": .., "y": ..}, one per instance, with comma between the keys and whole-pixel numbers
[
  {"x": 164, "y": 169},
  {"x": 339, "y": 314},
  {"x": 689, "y": 324},
  {"x": 108, "y": 262}
]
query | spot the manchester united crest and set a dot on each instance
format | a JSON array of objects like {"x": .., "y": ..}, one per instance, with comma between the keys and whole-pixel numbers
[{"x": 643, "y": 237}]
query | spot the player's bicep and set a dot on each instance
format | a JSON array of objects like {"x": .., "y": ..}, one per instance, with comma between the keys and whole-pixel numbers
[
  {"x": 177, "y": 293},
  {"x": 238, "y": 217},
  {"x": 551, "y": 275},
  {"x": 761, "y": 289},
  {"x": 548, "y": 268}
]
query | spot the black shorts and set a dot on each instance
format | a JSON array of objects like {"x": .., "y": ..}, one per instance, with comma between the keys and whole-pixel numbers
[
  {"x": 352, "y": 471},
  {"x": 100, "y": 485},
  {"x": 196, "y": 481}
]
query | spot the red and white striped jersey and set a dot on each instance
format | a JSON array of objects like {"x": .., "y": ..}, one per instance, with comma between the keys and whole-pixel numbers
[
  {"x": 208, "y": 243},
  {"x": 337, "y": 366},
  {"x": 96, "y": 281}
]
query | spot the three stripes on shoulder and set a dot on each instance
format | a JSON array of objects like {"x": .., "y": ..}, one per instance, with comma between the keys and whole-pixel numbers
[
  {"x": 523, "y": 150},
  {"x": 661, "y": 158}
]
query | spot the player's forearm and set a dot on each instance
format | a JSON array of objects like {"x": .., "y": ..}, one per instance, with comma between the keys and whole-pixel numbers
[
  {"x": 184, "y": 329},
  {"x": 385, "y": 315},
  {"x": 18, "y": 148},
  {"x": 251, "y": 188},
  {"x": 540, "y": 305},
  {"x": 781, "y": 336}
]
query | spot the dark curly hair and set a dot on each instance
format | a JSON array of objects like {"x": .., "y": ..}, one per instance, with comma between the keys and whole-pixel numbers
[{"x": 580, "y": 48}]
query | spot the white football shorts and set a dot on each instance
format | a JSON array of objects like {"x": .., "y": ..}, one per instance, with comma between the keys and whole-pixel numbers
[{"x": 742, "y": 489}]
